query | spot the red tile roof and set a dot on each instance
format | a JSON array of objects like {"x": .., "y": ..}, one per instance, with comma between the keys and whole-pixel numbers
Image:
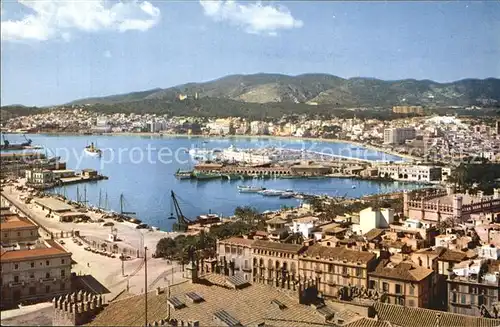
[{"x": 53, "y": 249}]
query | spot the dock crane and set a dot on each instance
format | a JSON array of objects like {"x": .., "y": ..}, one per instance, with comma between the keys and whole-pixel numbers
[
  {"x": 122, "y": 201},
  {"x": 182, "y": 222}
]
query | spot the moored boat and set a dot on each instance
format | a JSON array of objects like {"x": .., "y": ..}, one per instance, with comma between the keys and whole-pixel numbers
[
  {"x": 92, "y": 150},
  {"x": 250, "y": 189},
  {"x": 287, "y": 195},
  {"x": 205, "y": 176},
  {"x": 271, "y": 192}
]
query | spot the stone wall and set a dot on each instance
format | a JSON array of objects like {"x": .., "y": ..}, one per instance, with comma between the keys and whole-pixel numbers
[{"x": 76, "y": 308}]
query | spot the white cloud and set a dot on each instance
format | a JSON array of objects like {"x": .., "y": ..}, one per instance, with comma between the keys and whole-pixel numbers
[
  {"x": 57, "y": 19},
  {"x": 107, "y": 54},
  {"x": 255, "y": 18}
]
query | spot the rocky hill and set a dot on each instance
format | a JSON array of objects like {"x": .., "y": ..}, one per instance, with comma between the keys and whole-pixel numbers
[{"x": 324, "y": 89}]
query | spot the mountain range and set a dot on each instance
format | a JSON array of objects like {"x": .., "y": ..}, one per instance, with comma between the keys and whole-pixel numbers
[{"x": 323, "y": 89}]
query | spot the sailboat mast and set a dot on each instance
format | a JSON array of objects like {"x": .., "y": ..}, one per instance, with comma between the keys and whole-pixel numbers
[
  {"x": 85, "y": 194},
  {"x": 99, "y": 205},
  {"x": 77, "y": 194},
  {"x": 121, "y": 203},
  {"x": 106, "y": 205}
]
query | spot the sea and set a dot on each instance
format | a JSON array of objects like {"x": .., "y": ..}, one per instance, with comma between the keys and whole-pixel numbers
[{"x": 141, "y": 173}]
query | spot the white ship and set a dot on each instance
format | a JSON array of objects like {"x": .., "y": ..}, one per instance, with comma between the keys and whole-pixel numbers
[
  {"x": 260, "y": 156},
  {"x": 203, "y": 154}
]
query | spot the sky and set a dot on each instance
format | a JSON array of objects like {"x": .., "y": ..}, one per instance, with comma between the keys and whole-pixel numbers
[{"x": 56, "y": 51}]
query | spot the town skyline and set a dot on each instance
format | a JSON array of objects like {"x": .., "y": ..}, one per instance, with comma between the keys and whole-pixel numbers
[{"x": 67, "y": 57}]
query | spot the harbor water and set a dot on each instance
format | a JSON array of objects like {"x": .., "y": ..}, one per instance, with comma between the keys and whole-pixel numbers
[{"x": 142, "y": 168}]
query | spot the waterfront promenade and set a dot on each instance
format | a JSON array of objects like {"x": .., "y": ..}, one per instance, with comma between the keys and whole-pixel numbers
[{"x": 88, "y": 263}]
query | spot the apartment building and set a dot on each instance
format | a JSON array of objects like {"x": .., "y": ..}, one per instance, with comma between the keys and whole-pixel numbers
[
  {"x": 402, "y": 283},
  {"x": 474, "y": 288},
  {"x": 336, "y": 267},
  {"x": 237, "y": 251},
  {"x": 34, "y": 273},
  {"x": 399, "y": 135}
]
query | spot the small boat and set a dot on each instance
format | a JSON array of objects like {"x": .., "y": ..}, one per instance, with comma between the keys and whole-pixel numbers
[
  {"x": 92, "y": 150},
  {"x": 287, "y": 195},
  {"x": 250, "y": 189},
  {"x": 206, "y": 176},
  {"x": 184, "y": 174},
  {"x": 354, "y": 186},
  {"x": 271, "y": 192}
]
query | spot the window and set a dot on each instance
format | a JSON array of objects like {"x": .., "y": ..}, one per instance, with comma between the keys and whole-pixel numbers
[
  {"x": 32, "y": 265},
  {"x": 47, "y": 289},
  {"x": 18, "y": 233},
  {"x": 411, "y": 289},
  {"x": 344, "y": 270},
  {"x": 359, "y": 272},
  {"x": 47, "y": 275},
  {"x": 331, "y": 268},
  {"x": 411, "y": 303},
  {"x": 32, "y": 275},
  {"x": 62, "y": 261},
  {"x": 400, "y": 301},
  {"x": 240, "y": 251},
  {"x": 385, "y": 287},
  {"x": 31, "y": 233},
  {"x": 472, "y": 299},
  {"x": 63, "y": 273},
  {"x": 227, "y": 249},
  {"x": 5, "y": 235},
  {"x": 16, "y": 279},
  {"x": 16, "y": 266},
  {"x": 47, "y": 263},
  {"x": 463, "y": 299},
  {"x": 398, "y": 289},
  {"x": 372, "y": 285}
]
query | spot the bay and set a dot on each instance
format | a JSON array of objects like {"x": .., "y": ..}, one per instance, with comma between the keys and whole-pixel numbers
[{"x": 142, "y": 168}]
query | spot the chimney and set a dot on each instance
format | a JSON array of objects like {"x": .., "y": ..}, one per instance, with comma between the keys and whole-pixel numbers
[{"x": 158, "y": 291}]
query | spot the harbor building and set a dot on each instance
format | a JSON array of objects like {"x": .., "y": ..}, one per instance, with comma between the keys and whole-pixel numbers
[
  {"x": 440, "y": 205},
  {"x": 403, "y": 283},
  {"x": 411, "y": 173},
  {"x": 34, "y": 272},
  {"x": 474, "y": 288},
  {"x": 399, "y": 135},
  {"x": 16, "y": 229},
  {"x": 38, "y": 176}
]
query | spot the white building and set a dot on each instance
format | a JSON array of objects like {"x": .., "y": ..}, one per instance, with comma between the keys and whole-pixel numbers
[
  {"x": 370, "y": 219},
  {"x": 399, "y": 135},
  {"x": 39, "y": 176},
  {"x": 304, "y": 226},
  {"x": 414, "y": 173},
  {"x": 489, "y": 252},
  {"x": 468, "y": 267},
  {"x": 258, "y": 128}
]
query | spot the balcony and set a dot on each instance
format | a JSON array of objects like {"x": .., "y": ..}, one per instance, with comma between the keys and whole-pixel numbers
[
  {"x": 16, "y": 284},
  {"x": 49, "y": 279}
]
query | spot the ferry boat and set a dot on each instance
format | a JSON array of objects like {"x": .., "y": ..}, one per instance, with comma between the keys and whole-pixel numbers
[
  {"x": 92, "y": 150},
  {"x": 250, "y": 189},
  {"x": 271, "y": 192},
  {"x": 206, "y": 176}
]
